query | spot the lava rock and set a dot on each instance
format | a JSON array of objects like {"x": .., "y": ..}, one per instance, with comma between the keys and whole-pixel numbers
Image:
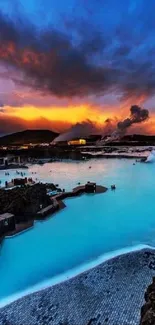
[
  {"x": 148, "y": 309},
  {"x": 24, "y": 202}
]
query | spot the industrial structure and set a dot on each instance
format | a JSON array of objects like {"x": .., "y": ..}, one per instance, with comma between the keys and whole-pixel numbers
[{"x": 77, "y": 142}]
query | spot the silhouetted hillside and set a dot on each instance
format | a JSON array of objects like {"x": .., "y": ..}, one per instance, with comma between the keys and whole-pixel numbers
[{"x": 28, "y": 136}]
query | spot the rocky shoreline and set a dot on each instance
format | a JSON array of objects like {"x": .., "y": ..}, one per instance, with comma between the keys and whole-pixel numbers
[
  {"x": 58, "y": 153},
  {"x": 148, "y": 309},
  {"x": 13, "y": 166}
]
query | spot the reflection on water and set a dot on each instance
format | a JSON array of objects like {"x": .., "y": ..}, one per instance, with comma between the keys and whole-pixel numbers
[{"x": 88, "y": 227}]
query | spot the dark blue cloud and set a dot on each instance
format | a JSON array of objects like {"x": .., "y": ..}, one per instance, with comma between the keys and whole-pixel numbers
[{"x": 101, "y": 46}]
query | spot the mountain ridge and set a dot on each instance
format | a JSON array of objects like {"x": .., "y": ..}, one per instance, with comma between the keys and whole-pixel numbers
[{"x": 28, "y": 136}]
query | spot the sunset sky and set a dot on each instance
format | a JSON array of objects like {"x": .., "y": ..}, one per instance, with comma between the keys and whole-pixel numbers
[{"x": 74, "y": 61}]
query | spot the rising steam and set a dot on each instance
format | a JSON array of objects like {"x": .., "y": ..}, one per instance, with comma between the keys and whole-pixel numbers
[
  {"x": 137, "y": 115},
  {"x": 77, "y": 131},
  {"x": 86, "y": 128}
]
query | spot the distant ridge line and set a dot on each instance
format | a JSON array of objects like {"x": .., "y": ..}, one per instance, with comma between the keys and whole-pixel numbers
[{"x": 28, "y": 136}]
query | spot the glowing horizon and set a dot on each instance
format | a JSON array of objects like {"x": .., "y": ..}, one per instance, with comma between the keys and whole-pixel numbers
[{"x": 62, "y": 118}]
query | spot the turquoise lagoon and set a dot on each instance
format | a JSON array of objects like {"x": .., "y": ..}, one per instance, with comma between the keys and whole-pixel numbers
[{"x": 90, "y": 225}]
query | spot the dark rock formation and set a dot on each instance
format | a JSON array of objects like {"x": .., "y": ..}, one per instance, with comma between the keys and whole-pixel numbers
[
  {"x": 53, "y": 187},
  {"x": 148, "y": 309},
  {"x": 13, "y": 166},
  {"x": 24, "y": 202}
]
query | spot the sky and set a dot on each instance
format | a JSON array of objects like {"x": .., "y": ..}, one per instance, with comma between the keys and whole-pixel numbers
[{"x": 76, "y": 61}]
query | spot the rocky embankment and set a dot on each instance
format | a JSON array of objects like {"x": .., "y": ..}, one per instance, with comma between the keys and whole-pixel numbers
[
  {"x": 13, "y": 166},
  {"x": 148, "y": 309},
  {"x": 24, "y": 202}
]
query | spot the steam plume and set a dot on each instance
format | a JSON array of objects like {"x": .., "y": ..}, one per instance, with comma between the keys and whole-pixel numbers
[
  {"x": 78, "y": 130},
  {"x": 137, "y": 115}
]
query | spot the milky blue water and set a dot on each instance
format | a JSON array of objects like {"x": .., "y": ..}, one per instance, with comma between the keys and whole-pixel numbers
[{"x": 89, "y": 226}]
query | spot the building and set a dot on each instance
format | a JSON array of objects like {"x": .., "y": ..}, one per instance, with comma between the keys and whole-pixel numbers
[
  {"x": 20, "y": 181},
  {"x": 24, "y": 147},
  {"x": 7, "y": 223},
  {"x": 90, "y": 187},
  {"x": 77, "y": 142}
]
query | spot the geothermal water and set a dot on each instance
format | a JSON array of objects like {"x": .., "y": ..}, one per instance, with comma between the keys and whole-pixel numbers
[{"x": 90, "y": 226}]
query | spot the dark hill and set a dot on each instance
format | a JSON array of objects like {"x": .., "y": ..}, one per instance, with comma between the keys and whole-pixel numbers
[
  {"x": 134, "y": 138},
  {"x": 139, "y": 138},
  {"x": 28, "y": 136}
]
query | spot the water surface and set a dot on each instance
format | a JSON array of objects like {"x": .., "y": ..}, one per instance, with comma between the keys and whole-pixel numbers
[{"x": 90, "y": 226}]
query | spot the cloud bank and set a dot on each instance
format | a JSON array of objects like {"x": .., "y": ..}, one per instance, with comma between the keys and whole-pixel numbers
[
  {"x": 92, "y": 51},
  {"x": 116, "y": 56}
]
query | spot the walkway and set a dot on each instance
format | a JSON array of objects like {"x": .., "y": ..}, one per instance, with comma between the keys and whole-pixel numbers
[{"x": 110, "y": 294}]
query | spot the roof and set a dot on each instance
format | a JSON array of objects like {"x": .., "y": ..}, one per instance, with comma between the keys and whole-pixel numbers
[
  {"x": 90, "y": 183},
  {"x": 5, "y": 216}
]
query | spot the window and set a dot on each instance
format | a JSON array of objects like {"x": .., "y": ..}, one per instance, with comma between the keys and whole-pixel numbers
[{"x": 6, "y": 223}]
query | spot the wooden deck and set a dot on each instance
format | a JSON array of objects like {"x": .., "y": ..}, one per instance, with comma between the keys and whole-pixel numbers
[
  {"x": 79, "y": 190},
  {"x": 43, "y": 213},
  {"x": 20, "y": 227}
]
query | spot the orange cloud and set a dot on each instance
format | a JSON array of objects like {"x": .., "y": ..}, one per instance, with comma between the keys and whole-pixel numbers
[
  {"x": 60, "y": 118},
  {"x": 71, "y": 114},
  {"x": 14, "y": 119}
]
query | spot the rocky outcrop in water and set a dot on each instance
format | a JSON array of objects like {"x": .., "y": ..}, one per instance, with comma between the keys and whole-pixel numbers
[
  {"x": 24, "y": 202},
  {"x": 148, "y": 309}
]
